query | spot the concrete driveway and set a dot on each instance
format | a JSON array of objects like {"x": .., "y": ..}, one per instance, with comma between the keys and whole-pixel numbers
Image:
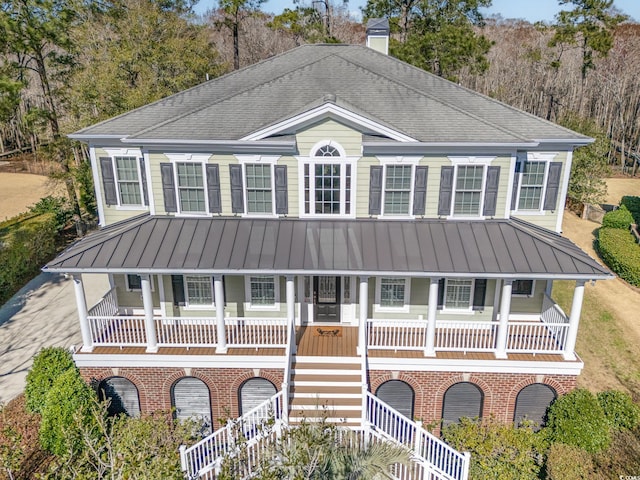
[{"x": 42, "y": 314}]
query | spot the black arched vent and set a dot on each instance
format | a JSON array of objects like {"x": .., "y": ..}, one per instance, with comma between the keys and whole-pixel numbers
[
  {"x": 398, "y": 395},
  {"x": 532, "y": 403},
  {"x": 191, "y": 400},
  {"x": 123, "y": 395},
  {"x": 253, "y": 392},
  {"x": 463, "y": 399}
]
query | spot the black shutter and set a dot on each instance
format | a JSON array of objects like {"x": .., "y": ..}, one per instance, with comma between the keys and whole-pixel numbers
[
  {"x": 479, "y": 293},
  {"x": 108, "y": 181},
  {"x": 213, "y": 188},
  {"x": 237, "y": 193},
  {"x": 516, "y": 184},
  {"x": 177, "y": 284},
  {"x": 491, "y": 191},
  {"x": 282, "y": 198},
  {"x": 446, "y": 191},
  {"x": 253, "y": 392},
  {"x": 440, "y": 293},
  {"x": 420, "y": 191},
  {"x": 398, "y": 395},
  {"x": 191, "y": 400},
  {"x": 553, "y": 186},
  {"x": 375, "y": 190},
  {"x": 168, "y": 187},
  {"x": 463, "y": 399},
  {"x": 143, "y": 179},
  {"x": 532, "y": 403}
]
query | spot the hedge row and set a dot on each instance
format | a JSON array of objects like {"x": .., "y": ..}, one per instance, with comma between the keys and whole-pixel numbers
[
  {"x": 23, "y": 251},
  {"x": 620, "y": 218},
  {"x": 633, "y": 204},
  {"x": 620, "y": 252}
]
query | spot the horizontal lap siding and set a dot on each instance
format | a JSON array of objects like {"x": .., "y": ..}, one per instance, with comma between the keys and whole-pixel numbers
[
  {"x": 134, "y": 298},
  {"x": 533, "y": 304},
  {"x": 293, "y": 182},
  {"x": 348, "y": 138},
  {"x": 433, "y": 183},
  {"x": 157, "y": 197},
  {"x": 362, "y": 185}
]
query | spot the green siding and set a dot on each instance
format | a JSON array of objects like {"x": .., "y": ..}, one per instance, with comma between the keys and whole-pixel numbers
[
  {"x": 348, "y": 138},
  {"x": 155, "y": 159},
  {"x": 134, "y": 298},
  {"x": 362, "y": 185},
  {"x": 529, "y": 305},
  {"x": 294, "y": 183},
  {"x": 435, "y": 163}
]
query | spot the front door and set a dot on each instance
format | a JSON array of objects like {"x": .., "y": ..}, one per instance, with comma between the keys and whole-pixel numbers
[{"x": 326, "y": 298}]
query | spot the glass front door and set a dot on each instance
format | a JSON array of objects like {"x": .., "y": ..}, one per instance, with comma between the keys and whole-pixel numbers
[{"x": 326, "y": 298}]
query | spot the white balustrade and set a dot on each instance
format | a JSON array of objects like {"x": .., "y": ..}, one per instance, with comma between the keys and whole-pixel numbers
[
  {"x": 396, "y": 334},
  {"x": 107, "y": 306},
  {"x": 186, "y": 331},
  {"x": 536, "y": 337},
  {"x": 256, "y": 332},
  {"x": 121, "y": 331},
  {"x": 465, "y": 336}
]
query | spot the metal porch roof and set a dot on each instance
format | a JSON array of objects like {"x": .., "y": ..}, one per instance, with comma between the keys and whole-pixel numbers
[{"x": 426, "y": 248}]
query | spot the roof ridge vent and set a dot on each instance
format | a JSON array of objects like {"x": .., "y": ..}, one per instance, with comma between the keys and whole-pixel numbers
[{"x": 378, "y": 34}]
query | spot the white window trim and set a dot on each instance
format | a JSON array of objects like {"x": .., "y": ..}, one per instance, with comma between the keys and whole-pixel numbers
[
  {"x": 265, "y": 308},
  {"x": 469, "y": 161},
  {"x": 343, "y": 160},
  {"x": 270, "y": 160},
  {"x": 188, "y": 306},
  {"x": 387, "y": 161},
  {"x": 547, "y": 158},
  {"x": 407, "y": 297},
  {"x": 127, "y": 152},
  {"x": 197, "y": 158},
  {"x": 524, "y": 295},
  {"x": 130, "y": 289},
  {"x": 458, "y": 311}
]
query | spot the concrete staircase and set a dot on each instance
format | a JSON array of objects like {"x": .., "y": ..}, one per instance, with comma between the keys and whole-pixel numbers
[{"x": 325, "y": 387}]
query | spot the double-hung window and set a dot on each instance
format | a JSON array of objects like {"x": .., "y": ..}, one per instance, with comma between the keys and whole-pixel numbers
[
  {"x": 262, "y": 291},
  {"x": 392, "y": 293},
  {"x": 199, "y": 290},
  {"x": 259, "y": 188},
  {"x": 397, "y": 190},
  {"x": 522, "y": 288},
  {"x": 458, "y": 294},
  {"x": 128, "y": 179},
  {"x": 327, "y": 177},
  {"x": 191, "y": 190},
  {"x": 532, "y": 185},
  {"x": 468, "y": 190}
]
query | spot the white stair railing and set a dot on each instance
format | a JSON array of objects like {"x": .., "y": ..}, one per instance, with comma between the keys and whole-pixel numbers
[
  {"x": 438, "y": 460},
  {"x": 205, "y": 457}
]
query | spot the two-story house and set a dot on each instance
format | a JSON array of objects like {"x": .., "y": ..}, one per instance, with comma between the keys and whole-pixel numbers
[{"x": 330, "y": 220}]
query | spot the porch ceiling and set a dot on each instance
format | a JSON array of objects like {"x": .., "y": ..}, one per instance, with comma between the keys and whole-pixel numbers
[{"x": 426, "y": 248}]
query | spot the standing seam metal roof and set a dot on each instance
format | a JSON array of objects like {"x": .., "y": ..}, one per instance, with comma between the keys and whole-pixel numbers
[{"x": 430, "y": 247}]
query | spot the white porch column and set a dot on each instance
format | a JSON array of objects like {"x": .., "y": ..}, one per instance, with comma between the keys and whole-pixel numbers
[
  {"x": 503, "y": 326},
  {"x": 218, "y": 298},
  {"x": 574, "y": 319},
  {"x": 149, "y": 323},
  {"x": 364, "y": 303},
  {"x": 291, "y": 308},
  {"x": 218, "y": 295},
  {"x": 83, "y": 313},
  {"x": 430, "y": 347}
]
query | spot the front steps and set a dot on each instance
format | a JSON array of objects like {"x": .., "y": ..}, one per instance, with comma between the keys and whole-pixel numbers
[{"x": 326, "y": 388}]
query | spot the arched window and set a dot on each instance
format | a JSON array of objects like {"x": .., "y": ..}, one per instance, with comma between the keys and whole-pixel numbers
[
  {"x": 532, "y": 403},
  {"x": 253, "y": 392},
  {"x": 398, "y": 395},
  {"x": 327, "y": 151},
  {"x": 191, "y": 400},
  {"x": 463, "y": 399},
  {"x": 123, "y": 395}
]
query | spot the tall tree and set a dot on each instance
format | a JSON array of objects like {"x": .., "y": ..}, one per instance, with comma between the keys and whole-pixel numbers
[
  {"x": 233, "y": 13},
  {"x": 35, "y": 35},
  {"x": 437, "y": 35}
]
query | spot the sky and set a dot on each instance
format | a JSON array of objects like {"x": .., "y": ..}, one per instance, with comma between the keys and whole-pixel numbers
[{"x": 531, "y": 10}]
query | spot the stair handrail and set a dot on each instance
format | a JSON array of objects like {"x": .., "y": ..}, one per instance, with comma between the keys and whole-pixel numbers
[
  {"x": 445, "y": 461},
  {"x": 289, "y": 351},
  {"x": 206, "y": 455}
]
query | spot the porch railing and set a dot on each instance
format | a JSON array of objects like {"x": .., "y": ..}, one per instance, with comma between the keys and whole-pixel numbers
[
  {"x": 129, "y": 331},
  {"x": 107, "y": 306}
]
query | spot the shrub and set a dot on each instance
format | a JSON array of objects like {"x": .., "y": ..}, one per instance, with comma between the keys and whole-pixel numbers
[
  {"x": 620, "y": 218},
  {"x": 498, "y": 450},
  {"x": 577, "y": 419},
  {"x": 67, "y": 409},
  {"x": 621, "y": 253},
  {"x": 633, "y": 204},
  {"x": 48, "y": 365},
  {"x": 619, "y": 410},
  {"x": 56, "y": 206},
  {"x": 566, "y": 462}
]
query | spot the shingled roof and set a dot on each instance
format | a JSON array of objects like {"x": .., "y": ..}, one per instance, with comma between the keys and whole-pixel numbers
[
  {"x": 379, "y": 87},
  {"x": 426, "y": 248}
]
